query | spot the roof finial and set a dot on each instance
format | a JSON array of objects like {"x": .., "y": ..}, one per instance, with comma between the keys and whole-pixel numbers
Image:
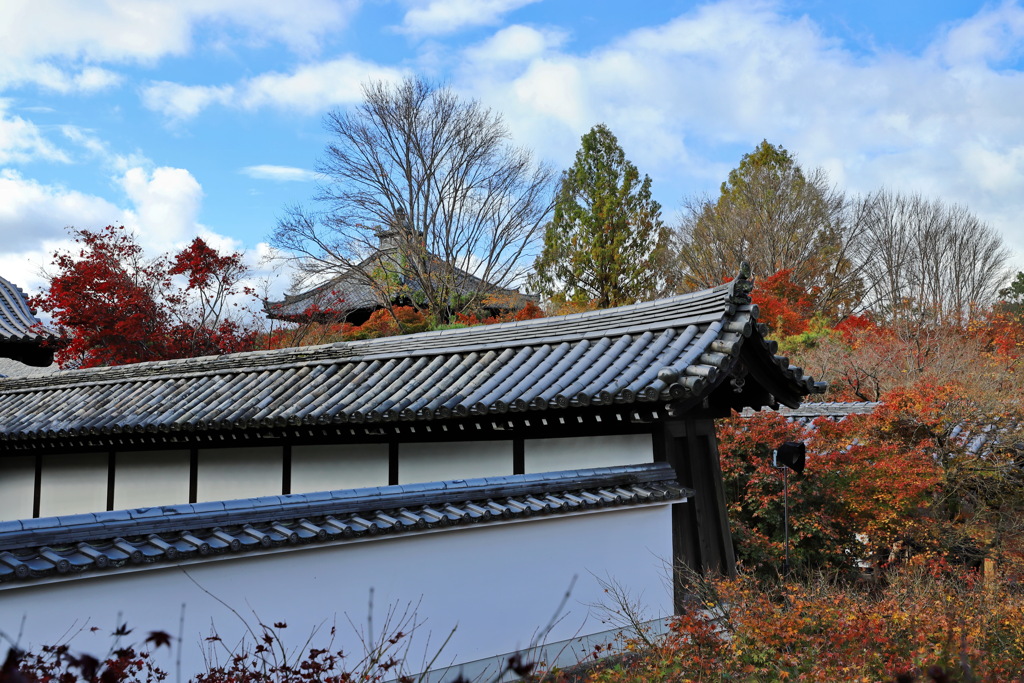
[{"x": 741, "y": 286}]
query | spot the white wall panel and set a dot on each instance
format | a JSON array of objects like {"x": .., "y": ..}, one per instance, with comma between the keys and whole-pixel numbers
[
  {"x": 150, "y": 478},
  {"x": 343, "y": 466},
  {"x": 419, "y": 462},
  {"x": 17, "y": 487},
  {"x": 584, "y": 452},
  {"x": 73, "y": 483},
  {"x": 230, "y": 473},
  {"x": 480, "y": 580}
]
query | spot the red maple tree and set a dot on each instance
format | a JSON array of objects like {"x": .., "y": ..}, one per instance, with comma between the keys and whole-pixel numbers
[
  {"x": 785, "y": 306},
  {"x": 115, "y": 306}
]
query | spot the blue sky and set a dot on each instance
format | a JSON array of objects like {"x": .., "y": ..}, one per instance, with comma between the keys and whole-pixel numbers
[{"x": 204, "y": 117}]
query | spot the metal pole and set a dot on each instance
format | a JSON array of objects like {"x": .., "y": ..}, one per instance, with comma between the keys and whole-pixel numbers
[{"x": 785, "y": 516}]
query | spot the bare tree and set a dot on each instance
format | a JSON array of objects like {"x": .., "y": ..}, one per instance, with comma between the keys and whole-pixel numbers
[
  {"x": 926, "y": 260},
  {"x": 422, "y": 198}
]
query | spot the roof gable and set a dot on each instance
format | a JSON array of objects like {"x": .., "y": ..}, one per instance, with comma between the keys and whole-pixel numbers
[{"x": 22, "y": 335}]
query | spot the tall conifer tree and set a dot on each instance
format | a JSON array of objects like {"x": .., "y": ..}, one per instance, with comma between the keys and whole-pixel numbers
[{"x": 606, "y": 244}]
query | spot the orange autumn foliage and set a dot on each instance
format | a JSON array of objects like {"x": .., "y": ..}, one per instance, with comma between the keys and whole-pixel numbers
[
  {"x": 786, "y": 307},
  {"x": 529, "y": 311},
  {"x": 928, "y": 623},
  {"x": 385, "y": 323},
  {"x": 931, "y": 472}
]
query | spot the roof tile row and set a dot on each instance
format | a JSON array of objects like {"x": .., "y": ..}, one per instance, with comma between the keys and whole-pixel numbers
[
  {"x": 48, "y": 547},
  {"x": 655, "y": 351}
]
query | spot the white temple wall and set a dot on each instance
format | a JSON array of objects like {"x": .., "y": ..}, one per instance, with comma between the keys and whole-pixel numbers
[
  {"x": 496, "y": 584},
  {"x": 17, "y": 487},
  {"x": 340, "y": 466},
  {"x": 583, "y": 452},
  {"x": 230, "y": 473},
  {"x": 419, "y": 462},
  {"x": 150, "y": 478},
  {"x": 73, "y": 483}
]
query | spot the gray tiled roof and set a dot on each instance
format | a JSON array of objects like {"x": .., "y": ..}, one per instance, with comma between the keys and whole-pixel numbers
[
  {"x": 975, "y": 437},
  {"x": 806, "y": 413},
  {"x": 667, "y": 350},
  {"x": 13, "y": 368},
  {"x": 21, "y": 333},
  {"x": 17, "y": 323},
  {"x": 108, "y": 541}
]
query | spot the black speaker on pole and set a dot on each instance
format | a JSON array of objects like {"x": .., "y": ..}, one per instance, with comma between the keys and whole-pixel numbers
[{"x": 792, "y": 454}]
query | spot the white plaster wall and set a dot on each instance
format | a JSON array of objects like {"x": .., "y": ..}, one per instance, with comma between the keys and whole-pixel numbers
[
  {"x": 348, "y": 466},
  {"x": 17, "y": 485},
  {"x": 148, "y": 478},
  {"x": 73, "y": 483},
  {"x": 584, "y": 452},
  {"x": 230, "y": 473},
  {"x": 496, "y": 584},
  {"x": 420, "y": 462}
]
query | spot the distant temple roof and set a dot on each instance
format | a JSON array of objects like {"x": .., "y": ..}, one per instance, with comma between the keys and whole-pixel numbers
[
  {"x": 702, "y": 350},
  {"x": 352, "y": 297},
  {"x": 22, "y": 336}
]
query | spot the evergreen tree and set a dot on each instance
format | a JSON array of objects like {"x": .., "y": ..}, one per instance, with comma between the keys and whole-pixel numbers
[{"x": 606, "y": 244}]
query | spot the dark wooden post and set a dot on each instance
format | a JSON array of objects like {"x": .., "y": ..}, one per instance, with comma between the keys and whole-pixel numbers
[{"x": 701, "y": 539}]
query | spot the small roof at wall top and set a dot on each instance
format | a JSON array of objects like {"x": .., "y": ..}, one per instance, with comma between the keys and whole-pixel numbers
[
  {"x": 125, "y": 539},
  {"x": 22, "y": 335},
  {"x": 683, "y": 350}
]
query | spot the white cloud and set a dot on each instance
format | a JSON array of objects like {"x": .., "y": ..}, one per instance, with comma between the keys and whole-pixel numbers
[
  {"x": 516, "y": 43},
  {"x": 279, "y": 173},
  {"x": 177, "y": 101},
  {"x": 26, "y": 269},
  {"x": 32, "y": 212},
  {"x": 309, "y": 89},
  {"x": 436, "y": 17},
  {"x": 166, "y": 205},
  {"x": 80, "y": 35},
  {"x": 989, "y": 37},
  {"x": 313, "y": 87},
  {"x": 63, "y": 80},
  {"x": 22, "y": 141},
  {"x": 945, "y": 122},
  {"x": 99, "y": 149}
]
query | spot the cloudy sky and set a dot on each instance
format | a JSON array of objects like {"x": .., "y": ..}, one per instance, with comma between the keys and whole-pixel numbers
[{"x": 205, "y": 116}]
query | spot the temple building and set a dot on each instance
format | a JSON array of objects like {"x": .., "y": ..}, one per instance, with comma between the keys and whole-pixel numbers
[
  {"x": 494, "y": 480},
  {"x": 392, "y": 276}
]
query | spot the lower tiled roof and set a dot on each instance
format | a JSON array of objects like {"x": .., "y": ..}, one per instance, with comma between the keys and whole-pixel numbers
[
  {"x": 127, "y": 539},
  {"x": 835, "y": 411},
  {"x": 975, "y": 438}
]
